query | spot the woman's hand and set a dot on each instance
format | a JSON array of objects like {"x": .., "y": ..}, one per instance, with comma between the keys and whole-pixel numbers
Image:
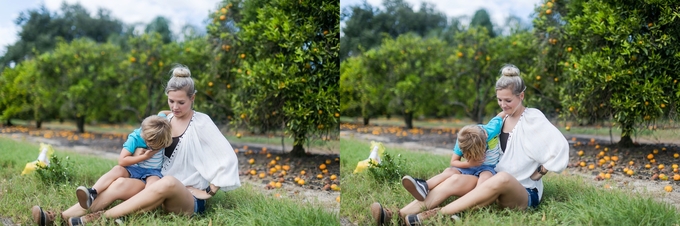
[{"x": 203, "y": 194}]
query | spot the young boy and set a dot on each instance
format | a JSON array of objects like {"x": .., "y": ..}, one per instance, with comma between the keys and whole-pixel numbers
[
  {"x": 145, "y": 164},
  {"x": 478, "y": 144}
]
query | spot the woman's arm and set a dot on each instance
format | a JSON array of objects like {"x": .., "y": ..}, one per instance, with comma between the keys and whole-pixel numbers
[{"x": 203, "y": 194}]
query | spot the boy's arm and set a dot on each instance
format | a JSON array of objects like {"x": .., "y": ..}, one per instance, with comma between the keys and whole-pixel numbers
[
  {"x": 455, "y": 162},
  {"x": 493, "y": 128},
  {"x": 126, "y": 158},
  {"x": 164, "y": 113}
]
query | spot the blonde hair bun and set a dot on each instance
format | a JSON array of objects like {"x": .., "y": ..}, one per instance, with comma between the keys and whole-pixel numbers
[
  {"x": 510, "y": 71},
  {"x": 181, "y": 71}
]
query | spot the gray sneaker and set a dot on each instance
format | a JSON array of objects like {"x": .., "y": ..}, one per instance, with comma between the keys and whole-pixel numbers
[
  {"x": 85, "y": 196},
  {"x": 417, "y": 187}
]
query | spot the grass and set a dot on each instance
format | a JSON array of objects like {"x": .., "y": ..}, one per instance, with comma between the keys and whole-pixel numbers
[
  {"x": 566, "y": 199},
  {"x": 243, "y": 206}
]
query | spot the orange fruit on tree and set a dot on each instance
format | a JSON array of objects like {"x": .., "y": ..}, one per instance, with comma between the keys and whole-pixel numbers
[
  {"x": 548, "y": 12},
  {"x": 243, "y": 56},
  {"x": 223, "y": 17}
]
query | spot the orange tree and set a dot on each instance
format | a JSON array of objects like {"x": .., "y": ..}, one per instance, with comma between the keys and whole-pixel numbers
[
  {"x": 288, "y": 72},
  {"x": 411, "y": 68},
  {"x": 78, "y": 77},
  {"x": 143, "y": 74},
  {"x": 15, "y": 94},
  {"x": 624, "y": 62},
  {"x": 361, "y": 92}
]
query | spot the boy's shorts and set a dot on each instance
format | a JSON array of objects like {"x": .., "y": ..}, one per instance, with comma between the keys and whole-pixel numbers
[
  {"x": 137, "y": 172},
  {"x": 533, "y": 198},
  {"x": 475, "y": 171}
]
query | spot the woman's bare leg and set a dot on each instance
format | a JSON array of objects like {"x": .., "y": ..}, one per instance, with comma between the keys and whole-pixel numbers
[
  {"x": 122, "y": 189},
  {"x": 455, "y": 185},
  {"x": 150, "y": 180},
  {"x": 502, "y": 187},
  {"x": 439, "y": 178},
  {"x": 167, "y": 191}
]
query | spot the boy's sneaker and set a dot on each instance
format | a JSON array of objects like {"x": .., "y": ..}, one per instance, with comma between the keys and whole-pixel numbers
[
  {"x": 85, "y": 196},
  {"x": 417, "y": 187},
  {"x": 417, "y": 219}
]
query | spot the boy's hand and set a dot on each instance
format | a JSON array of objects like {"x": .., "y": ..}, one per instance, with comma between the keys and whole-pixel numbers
[
  {"x": 147, "y": 153},
  {"x": 502, "y": 114}
]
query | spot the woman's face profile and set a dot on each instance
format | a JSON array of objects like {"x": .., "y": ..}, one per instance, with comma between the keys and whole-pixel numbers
[
  {"x": 179, "y": 102},
  {"x": 508, "y": 101}
]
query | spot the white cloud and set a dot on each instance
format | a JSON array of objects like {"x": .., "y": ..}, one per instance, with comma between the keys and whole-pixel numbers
[{"x": 8, "y": 35}]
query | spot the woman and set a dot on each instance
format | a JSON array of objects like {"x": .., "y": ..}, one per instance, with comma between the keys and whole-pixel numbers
[
  {"x": 531, "y": 146},
  {"x": 199, "y": 161}
]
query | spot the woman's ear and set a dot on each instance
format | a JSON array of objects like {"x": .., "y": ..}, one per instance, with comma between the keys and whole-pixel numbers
[{"x": 521, "y": 96}]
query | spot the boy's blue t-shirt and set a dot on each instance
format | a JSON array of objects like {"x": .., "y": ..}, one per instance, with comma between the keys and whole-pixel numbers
[
  {"x": 493, "y": 148},
  {"x": 135, "y": 141}
]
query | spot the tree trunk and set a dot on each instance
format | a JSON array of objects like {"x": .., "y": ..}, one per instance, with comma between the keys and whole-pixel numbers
[
  {"x": 366, "y": 120},
  {"x": 38, "y": 124},
  {"x": 626, "y": 130},
  {"x": 80, "y": 123},
  {"x": 298, "y": 146},
  {"x": 408, "y": 119}
]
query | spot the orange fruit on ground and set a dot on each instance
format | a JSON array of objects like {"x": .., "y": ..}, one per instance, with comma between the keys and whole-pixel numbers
[
  {"x": 269, "y": 155},
  {"x": 652, "y": 161},
  {"x": 319, "y": 176},
  {"x": 278, "y": 167},
  {"x": 663, "y": 176},
  {"x": 676, "y": 177},
  {"x": 335, "y": 187},
  {"x": 253, "y": 172},
  {"x": 251, "y": 161},
  {"x": 582, "y": 164},
  {"x": 591, "y": 166},
  {"x": 607, "y": 176},
  {"x": 668, "y": 188},
  {"x": 333, "y": 177},
  {"x": 273, "y": 162},
  {"x": 302, "y": 172},
  {"x": 286, "y": 167},
  {"x": 650, "y": 156},
  {"x": 648, "y": 166},
  {"x": 272, "y": 170},
  {"x": 676, "y": 155},
  {"x": 322, "y": 166},
  {"x": 630, "y": 172},
  {"x": 631, "y": 163},
  {"x": 656, "y": 151},
  {"x": 278, "y": 185},
  {"x": 661, "y": 166},
  {"x": 337, "y": 199},
  {"x": 301, "y": 182},
  {"x": 615, "y": 158},
  {"x": 580, "y": 153},
  {"x": 607, "y": 158},
  {"x": 262, "y": 175},
  {"x": 328, "y": 161},
  {"x": 296, "y": 179},
  {"x": 674, "y": 166}
]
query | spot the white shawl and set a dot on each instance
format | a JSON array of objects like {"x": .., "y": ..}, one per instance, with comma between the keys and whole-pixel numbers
[
  {"x": 534, "y": 141},
  {"x": 203, "y": 156}
]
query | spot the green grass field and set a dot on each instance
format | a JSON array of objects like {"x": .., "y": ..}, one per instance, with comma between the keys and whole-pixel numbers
[
  {"x": 243, "y": 206},
  {"x": 566, "y": 199}
]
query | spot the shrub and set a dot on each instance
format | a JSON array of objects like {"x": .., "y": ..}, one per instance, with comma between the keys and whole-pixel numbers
[{"x": 57, "y": 172}]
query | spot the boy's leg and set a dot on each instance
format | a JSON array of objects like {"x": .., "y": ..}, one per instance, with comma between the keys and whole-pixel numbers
[
  {"x": 439, "y": 178},
  {"x": 483, "y": 176},
  {"x": 105, "y": 180}
]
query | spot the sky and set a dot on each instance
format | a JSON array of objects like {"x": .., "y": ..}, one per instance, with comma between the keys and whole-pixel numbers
[
  {"x": 179, "y": 12},
  {"x": 498, "y": 10}
]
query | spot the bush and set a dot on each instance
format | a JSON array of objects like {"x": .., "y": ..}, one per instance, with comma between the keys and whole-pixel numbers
[
  {"x": 389, "y": 169},
  {"x": 56, "y": 173}
]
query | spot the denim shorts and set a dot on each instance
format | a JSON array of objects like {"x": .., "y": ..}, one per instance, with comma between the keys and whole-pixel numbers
[
  {"x": 199, "y": 206},
  {"x": 533, "y": 198},
  {"x": 137, "y": 172},
  {"x": 475, "y": 171}
]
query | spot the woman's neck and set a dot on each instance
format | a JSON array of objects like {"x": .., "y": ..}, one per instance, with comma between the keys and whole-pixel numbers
[{"x": 518, "y": 112}]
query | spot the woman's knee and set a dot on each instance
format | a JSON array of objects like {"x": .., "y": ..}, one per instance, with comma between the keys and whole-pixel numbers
[
  {"x": 167, "y": 184},
  {"x": 500, "y": 180}
]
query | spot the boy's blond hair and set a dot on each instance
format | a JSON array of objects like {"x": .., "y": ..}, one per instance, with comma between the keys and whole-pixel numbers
[
  {"x": 472, "y": 142},
  {"x": 156, "y": 132}
]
